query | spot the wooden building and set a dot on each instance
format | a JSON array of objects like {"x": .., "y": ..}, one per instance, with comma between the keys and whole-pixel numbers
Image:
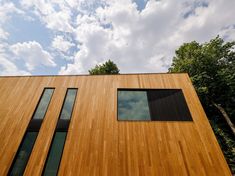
[{"x": 130, "y": 124}]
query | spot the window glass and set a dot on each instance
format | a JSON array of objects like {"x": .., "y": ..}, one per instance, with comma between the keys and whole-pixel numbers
[
  {"x": 26, "y": 146},
  {"x": 43, "y": 104},
  {"x": 133, "y": 105},
  {"x": 23, "y": 153},
  {"x": 152, "y": 104},
  {"x": 56, "y": 149},
  {"x": 55, "y": 153},
  {"x": 168, "y": 105},
  {"x": 68, "y": 104}
]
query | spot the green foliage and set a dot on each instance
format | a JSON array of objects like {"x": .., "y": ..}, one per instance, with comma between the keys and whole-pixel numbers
[
  {"x": 211, "y": 67},
  {"x": 109, "y": 67},
  {"x": 226, "y": 142}
]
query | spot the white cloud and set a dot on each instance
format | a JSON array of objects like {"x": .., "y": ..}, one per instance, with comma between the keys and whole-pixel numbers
[
  {"x": 138, "y": 41},
  {"x": 131, "y": 42},
  {"x": 7, "y": 67},
  {"x": 61, "y": 44},
  {"x": 71, "y": 69},
  {"x": 3, "y": 34},
  {"x": 228, "y": 33},
  {"x": 59, "y": 21},
  {"x": 7, "y": 8},
  {"x": 145, "y": 41},
  {"x": 40, "y": 7},
  {"x": 55, "y": 14},
  {"x": 32, "y": 54}
]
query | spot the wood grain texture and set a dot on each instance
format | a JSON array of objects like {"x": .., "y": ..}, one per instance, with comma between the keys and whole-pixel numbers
[{"x": 98, "y": 144}]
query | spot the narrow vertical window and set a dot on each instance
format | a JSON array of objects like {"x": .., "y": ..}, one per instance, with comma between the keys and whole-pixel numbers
[
  {"x": 26, "y": 146},
  {"x": 56, "y": 149}
]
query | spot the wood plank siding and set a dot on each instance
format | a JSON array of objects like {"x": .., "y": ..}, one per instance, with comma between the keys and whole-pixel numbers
[{"x": 97, "y": 143}]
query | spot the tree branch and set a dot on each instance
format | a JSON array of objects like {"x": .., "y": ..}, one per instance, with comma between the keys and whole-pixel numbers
[{"x": 225, "y": 115}]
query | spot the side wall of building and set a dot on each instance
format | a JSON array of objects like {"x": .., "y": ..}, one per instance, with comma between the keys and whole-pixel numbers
[{"x": 97, "y": 143}]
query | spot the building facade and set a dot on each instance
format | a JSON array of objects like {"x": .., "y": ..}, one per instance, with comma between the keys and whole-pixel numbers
[{"x": 133, "y": 124}]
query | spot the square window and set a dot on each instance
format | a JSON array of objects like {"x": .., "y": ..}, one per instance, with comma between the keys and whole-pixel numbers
[{"x": 152, "y": 105}]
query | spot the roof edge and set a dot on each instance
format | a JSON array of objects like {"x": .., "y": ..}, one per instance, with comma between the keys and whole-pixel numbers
[{"x": 5, "y": 76}]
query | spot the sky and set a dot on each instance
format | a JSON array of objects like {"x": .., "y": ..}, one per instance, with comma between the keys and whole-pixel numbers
[{"x": 40, "y": 37}]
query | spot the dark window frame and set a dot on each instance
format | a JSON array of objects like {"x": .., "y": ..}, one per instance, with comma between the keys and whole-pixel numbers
[
  {"x": 152, "y": 121},
  {"x": 29, "y": 129},
  {"x": 49, "y": 151},
  {"x": 60, "y": 122}
]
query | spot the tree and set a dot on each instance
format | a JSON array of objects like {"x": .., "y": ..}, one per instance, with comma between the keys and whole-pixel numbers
[
  {"x": 109, "y": 67},
  {"x": 211, "y": 66}
]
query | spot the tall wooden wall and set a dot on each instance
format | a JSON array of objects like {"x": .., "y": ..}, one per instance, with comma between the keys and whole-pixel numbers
[{"x": 98, "y": 144}]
